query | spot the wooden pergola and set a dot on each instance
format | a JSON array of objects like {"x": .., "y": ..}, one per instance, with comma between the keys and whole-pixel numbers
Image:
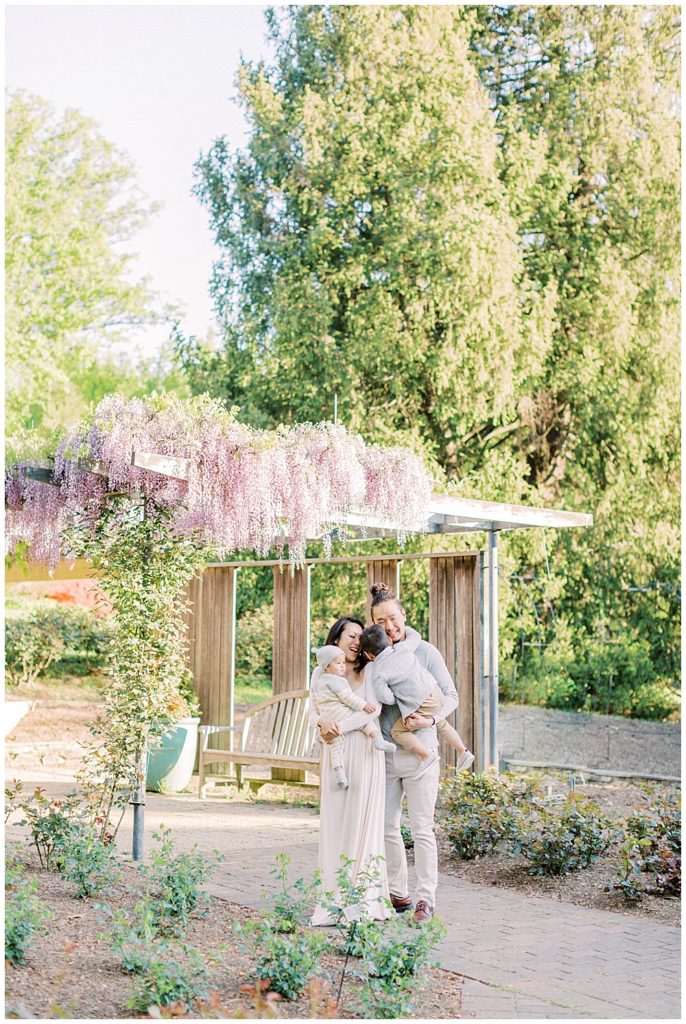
[{"x": 463, "y": 603}]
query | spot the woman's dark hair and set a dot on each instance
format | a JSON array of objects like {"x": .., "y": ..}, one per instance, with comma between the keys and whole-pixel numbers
[
  {"x": 382, "y": 592},
  {"x": 335, "y": 635}
]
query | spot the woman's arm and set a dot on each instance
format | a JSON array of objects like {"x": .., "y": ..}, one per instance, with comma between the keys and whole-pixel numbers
[{"x": 357, "y": 720}]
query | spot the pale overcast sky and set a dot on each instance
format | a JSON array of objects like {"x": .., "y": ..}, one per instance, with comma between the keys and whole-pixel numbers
[{"x": 160, "y": 81}]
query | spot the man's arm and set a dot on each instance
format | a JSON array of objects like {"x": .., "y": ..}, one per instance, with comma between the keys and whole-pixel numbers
[
  {"x": 439, "y": 670},
  {"x": 434, "y": 664}
]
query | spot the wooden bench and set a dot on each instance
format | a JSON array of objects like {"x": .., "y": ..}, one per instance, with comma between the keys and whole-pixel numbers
[{"x": 275, "y": 734}]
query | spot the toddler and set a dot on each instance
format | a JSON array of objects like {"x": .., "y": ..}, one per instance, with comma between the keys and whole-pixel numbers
[
  {"x": 400, "y": 679},
  {"x": 332, "y": 697}
]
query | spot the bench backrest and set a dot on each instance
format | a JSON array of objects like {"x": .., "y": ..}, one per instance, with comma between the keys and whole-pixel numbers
[{"x": 280, "y": 726}]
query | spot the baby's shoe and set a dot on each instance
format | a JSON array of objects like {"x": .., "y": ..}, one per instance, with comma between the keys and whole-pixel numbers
[
  {"x": 464, "y": 761},
  {"x": 381, "y": 744},
  {"x": 341, "y": 778}
]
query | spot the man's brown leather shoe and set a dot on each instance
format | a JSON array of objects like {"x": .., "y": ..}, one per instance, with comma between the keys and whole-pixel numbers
[
  {"x": 401, "y": 903},
  {"x": 423, "y": 912}
]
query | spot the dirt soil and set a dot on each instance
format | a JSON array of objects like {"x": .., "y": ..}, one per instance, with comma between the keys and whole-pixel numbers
[{"x": 71, "y": 971}]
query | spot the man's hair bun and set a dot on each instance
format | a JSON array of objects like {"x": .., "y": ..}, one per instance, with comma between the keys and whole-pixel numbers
[{"x": 379, "y": 588}]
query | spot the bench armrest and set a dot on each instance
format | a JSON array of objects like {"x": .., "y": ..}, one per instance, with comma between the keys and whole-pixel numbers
[{"x": 205, "y": 731}]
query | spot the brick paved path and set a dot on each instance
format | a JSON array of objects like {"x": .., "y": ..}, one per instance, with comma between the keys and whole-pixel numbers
[{"x": 521, "y": 956}]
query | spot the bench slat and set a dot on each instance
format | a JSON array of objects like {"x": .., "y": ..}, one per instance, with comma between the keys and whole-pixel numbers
[{"x": 276, "y": 733}]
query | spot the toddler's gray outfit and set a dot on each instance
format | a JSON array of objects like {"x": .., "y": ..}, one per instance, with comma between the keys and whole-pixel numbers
[{"x": 400, "y": 679}]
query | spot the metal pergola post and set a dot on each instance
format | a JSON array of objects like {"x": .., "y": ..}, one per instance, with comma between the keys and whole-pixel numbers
[{"x": 493, "y": 647}]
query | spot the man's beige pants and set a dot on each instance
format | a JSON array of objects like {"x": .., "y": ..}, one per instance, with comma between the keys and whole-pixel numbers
[{"x": 407, "y": 777}]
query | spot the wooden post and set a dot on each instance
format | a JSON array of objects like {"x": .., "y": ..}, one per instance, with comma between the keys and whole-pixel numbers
[
  {"x": 291, "y": 661},
  {"x": 454, "y": 628},
  {"x": 386, "y": 571},
  {"x": 211, "y": 655}
]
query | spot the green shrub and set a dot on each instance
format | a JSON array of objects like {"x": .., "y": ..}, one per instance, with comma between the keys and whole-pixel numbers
[
  {"x": 285, "y": 960},
  {"x": 55, "y": 640},
  {"x": 393, "y": 961},
  {"x": 25, "y": 915},
  {"x": 174, "y": 882},
  {"x": 348, "y": 906},
  {"x": 133, "y": 936},
  {"x": 558, "y": 841},
  {"x": 51, "y": 822},
  {"x": 165, "y": 981},
  {"x": 481, "y": 810},
  {"x": 31, "y": 645},
  {"x": 615, "y": 678},
  {"x": 254, "y": 646},
  {"x": 84, "y": 858},
  {"x": 294, "y": 900},
  {"x": 650, "y": 855}
]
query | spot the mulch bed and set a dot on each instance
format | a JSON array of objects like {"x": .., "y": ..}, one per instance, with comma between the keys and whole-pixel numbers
[
  {"x": 617, "y": 801},
  {"x": 71, "y": 971}
]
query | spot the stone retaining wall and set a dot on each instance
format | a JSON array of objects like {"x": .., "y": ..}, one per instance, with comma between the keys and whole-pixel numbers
[{"x": 589, "y": 740}]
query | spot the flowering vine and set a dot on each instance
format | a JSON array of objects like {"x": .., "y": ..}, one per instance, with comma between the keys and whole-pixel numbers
[{"x": 246, "y": 488}]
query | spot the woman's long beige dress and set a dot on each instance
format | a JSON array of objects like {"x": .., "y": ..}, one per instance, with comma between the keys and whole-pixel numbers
[{"x": 352, "y": 820}]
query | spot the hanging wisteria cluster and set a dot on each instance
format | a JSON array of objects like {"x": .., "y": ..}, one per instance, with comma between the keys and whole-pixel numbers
[{"x": 245, "y": 488}]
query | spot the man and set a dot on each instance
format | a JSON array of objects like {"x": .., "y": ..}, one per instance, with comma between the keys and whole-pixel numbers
[{"x": 406, "y": 775}]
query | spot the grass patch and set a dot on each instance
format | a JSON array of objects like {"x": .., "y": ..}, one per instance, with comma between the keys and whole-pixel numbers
[
  {"x": 252, "y": 689},
  {"x": 86, "y": 688}
]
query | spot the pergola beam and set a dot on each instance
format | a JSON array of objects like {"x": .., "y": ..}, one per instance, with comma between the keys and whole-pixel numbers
[{"x": 166, "y": 465}]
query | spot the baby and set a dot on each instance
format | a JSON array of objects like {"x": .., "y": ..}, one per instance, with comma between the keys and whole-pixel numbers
[
  {"x": 400, "y": 679},
  {"x": 333, "y": 698}
]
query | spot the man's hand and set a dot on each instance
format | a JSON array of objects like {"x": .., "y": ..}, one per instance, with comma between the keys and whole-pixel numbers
[
  {"x": 369, "y": 708},
  {"x": 416, "y": 721},
  {"x": 328, "y": 729}
]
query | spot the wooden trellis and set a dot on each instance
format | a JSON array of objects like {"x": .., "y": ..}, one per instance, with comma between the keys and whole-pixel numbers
[{"x": 463, "y": 602}]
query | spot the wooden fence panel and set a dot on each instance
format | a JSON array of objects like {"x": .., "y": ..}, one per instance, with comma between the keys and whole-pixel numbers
[
  {"x": 211, "y": 625},
  {"x": 291, "y": 662},
  {"x": 454, "y": 628}
]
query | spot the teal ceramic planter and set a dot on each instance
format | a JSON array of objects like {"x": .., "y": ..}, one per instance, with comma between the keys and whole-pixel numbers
[{"x": 170, "y": 766}]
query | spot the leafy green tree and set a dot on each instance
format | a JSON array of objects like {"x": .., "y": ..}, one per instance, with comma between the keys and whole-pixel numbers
[
  {"x": 71, "y": 208},
  {"x": 367, "y": 246},
  {"x": 464, "y": 222},
  {"x": 594, "y": 91}
]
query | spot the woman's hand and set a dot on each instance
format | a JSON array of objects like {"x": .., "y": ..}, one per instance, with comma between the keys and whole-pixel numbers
[
  {"x": 370, "y": 709},
  {"x": 416, "y": 721},
  {"x": 328, "y": 729}
]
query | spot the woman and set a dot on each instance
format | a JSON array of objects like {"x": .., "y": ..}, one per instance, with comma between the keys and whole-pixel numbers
[{"x": 351, "y": 820}]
